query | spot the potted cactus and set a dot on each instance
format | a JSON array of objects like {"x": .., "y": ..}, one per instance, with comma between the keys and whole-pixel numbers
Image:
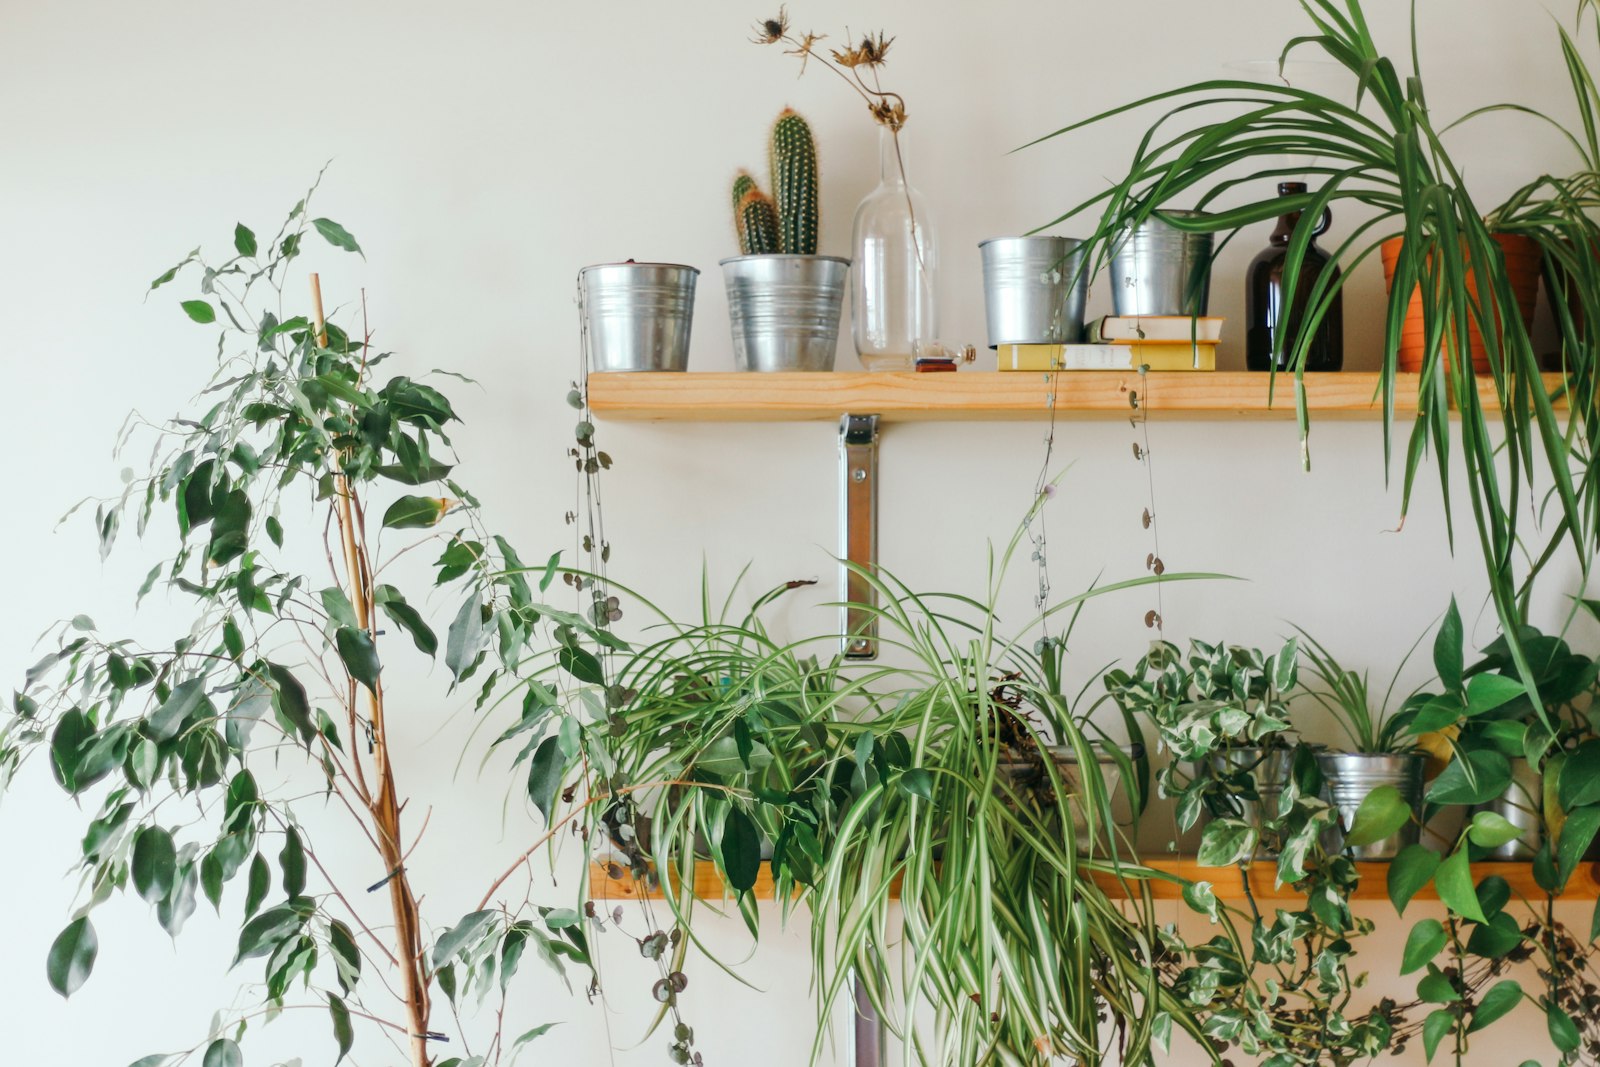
[{"x": 784, "y": 300}]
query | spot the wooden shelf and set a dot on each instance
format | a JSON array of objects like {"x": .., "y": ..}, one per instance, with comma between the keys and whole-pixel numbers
[
  {"x": 1228, "y": 882},
  {"x": 990, "y": 395}
]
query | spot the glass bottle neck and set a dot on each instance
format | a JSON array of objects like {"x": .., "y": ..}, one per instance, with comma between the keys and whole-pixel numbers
[{"x": 891, "y": 157}]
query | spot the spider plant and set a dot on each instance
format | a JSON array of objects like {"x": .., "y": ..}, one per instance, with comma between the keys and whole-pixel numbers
[
  {"x": 1385, "y": 151},
  {"x": 880, "y": 788},
  {"x": 1372, "y": 728}
]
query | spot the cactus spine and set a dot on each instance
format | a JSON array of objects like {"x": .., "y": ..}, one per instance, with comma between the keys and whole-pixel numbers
[
  {"x": 757, "y": 220},
  {"x": 794, "y": 183},
  {"x": 787, "y": 221}
]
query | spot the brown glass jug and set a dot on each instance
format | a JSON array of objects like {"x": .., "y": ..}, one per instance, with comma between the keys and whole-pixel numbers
[{"x": 1268, "y": 310}]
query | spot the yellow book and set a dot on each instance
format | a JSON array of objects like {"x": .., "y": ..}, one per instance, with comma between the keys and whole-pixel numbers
[{"x": 1166, "y": 356}]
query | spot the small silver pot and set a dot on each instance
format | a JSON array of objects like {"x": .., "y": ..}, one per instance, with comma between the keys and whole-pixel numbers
[
  {"x": 1350, "y": 776},
  {"x": 1158, "y": 269},
  {"x": 785, "y": 310},
  {"x": 637, "y": 316},
  {"x": 1065, "y": 757},
  {"x": 1522, "y": 806},
  {"x": 1034, "y": 290},
  {"x": 1271, "y": 767}
]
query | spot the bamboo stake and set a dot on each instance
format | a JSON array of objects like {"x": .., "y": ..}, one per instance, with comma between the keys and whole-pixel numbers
[{"x": 384, "y": 807}]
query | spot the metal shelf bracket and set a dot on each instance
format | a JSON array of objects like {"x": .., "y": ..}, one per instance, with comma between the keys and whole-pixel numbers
[{"x": 858, "y": 533}]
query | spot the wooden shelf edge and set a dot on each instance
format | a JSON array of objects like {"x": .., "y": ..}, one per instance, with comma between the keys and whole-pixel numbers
[
  {"x": 715, "y": 396},
  {"x": 1228, "y": 882}
]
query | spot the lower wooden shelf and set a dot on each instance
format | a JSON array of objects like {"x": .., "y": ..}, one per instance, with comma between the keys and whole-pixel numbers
[{"x": 1228, "y": 882}]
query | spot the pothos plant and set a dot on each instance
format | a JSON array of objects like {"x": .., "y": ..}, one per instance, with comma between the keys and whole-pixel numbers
[
  {"x": 1278, "y": 986},
  {"x": 226, "y": 755}
]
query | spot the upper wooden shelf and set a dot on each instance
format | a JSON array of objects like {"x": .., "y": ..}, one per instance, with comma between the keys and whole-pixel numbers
[
  {"x": 972, "y": 395},
  {"x": 1228, "y": 882}
]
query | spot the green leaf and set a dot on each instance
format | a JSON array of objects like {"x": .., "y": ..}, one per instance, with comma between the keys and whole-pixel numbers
[
  {"x": 347, "y": 957},
  {"x": 916, "y": 782},
  {"x": 154, "y": 863},
  {"x": 1497, "y": 937},
  {"x": 260, "y": 884},
  {"x": 187, "y": 700},
  {"x": 289, "y": 698},
  {"x": 741, "y": 850},
  {"x": 340, "y": 611},
  {"x": 1438, "y": 1023},
  {"x": 533, "y": 1035},
  {"x": 581, "y": 664},
  {"x": 262, "y": 935},
  {"x": 343, "y": 1033},
  {"x": 292, "y": 861},
  {"x": 72, "y": 956},
  {"x": 407, "y": 618},
  {"x": 1453, "y": 879},
  {"x": 1477, "y": 778},
  {"x": 1408, "y": 872},
  {"x": 244, "y": 241},
  {"x": 1485, "y": 692},
  {"x": 1381, "y": 813},
  {"x": 360, "y": 655},
  {"x": 1225, "y": 842},
  {"x": 1490, "y": 829},
  {"x": 544, "y": 776},
  {"x": 458, "y": 936},
  {"x": 1435, "y": 988},
  {"x": 549, "y": 571},
  {"x": 1577, "y": 831},
  {"x": 336, "y": 235},
  {"x": 1563, "y": 1033},
  {"x": 1422, "y": 945},
  {"x": 464, "y": 638},
  {"x": 1499, "y": 1000},
  {"x": 414, "y": 513},
  {"x": 199, "y": 311},
  {"x": 1579, "y": 780},
  {"x": 275, "y": 530},
  {"x": 1447, "y": 649},
  {"x": 223, "y": 1053}
]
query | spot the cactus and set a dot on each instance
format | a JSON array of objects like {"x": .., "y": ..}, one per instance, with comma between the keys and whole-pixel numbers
[
  {"x": 787, "y": 220},
  {"x": 757, "y": 220},
  {"x": 794, "y": 183}
]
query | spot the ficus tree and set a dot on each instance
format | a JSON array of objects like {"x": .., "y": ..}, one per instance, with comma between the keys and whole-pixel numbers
[{"x": 306, "y": 474}]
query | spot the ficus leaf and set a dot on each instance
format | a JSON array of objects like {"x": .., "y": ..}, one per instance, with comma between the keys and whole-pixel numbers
[
  {"x": 544, "y": 776},
  {"x": 336, "y": 235},
  {"x": 244, "y": 241},
  {"x": 223, "y": 1052},
  {"x": 359, "y": 654},
  {"x": 343, "y": 1033},
  {"x": 72, "y": 956},
  {"x": 414, "y": 512},
  {"x": 154, "y": 863},
  {"x": 199, "y": 311}
]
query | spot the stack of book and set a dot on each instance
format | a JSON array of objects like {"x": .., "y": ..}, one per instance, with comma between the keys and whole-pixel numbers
[{"x": 1159, "y": 342}]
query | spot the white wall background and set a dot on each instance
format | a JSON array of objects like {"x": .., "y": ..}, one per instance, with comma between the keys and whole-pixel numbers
[{"x": 485, "y": 150}]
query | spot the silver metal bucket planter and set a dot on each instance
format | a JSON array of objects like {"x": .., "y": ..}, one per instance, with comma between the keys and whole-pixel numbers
[
  {"x": 637, "y": 316},
  {"x": 1521, "y": 805},
  {"x": 1350, "y": 776},
  {"x": 1161, "y": 270},
  {"x": 1270, "y": 767},
  {"x": 1034, "y": 290},
  {"x": 1030, "y": 775},
  {"x": 784, "y": 310}
]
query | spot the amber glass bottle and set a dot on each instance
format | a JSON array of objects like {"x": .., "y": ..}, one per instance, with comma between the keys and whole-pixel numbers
[{"x": 1268, "y": 311}]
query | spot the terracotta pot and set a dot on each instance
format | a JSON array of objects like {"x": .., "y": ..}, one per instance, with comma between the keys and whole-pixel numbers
[{"x": 1524, "y": 262}]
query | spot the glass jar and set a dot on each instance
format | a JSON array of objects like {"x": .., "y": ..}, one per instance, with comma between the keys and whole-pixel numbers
[
  {"x": 893, "y": 306},
  {"x": 1270, "y": 312}
]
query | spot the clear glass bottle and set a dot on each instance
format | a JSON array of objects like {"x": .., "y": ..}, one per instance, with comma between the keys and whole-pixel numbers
[{"x": 893, "y": 307}]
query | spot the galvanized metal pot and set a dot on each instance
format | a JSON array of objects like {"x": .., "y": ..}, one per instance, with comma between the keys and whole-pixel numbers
[
  {"x": 637, "y": 316},
  {"x": 1031, "y": 774},
  {"x": 1034, "y": 290},
  {"x": 785, "y": 310},
  {"x": 1270, "y": 766},
  {"x": 1521, "y": 805},
  {"x": 1158, "y": 269},
  {"x": 1350, "y": 776}
]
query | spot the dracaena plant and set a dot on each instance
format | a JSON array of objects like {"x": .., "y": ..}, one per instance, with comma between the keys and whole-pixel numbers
[
  {"x": 1381, "y": 147},
  {"x": 231, "y": 762}
]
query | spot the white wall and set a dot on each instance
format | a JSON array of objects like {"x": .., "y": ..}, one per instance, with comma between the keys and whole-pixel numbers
[{"x": 483, "y": 152}]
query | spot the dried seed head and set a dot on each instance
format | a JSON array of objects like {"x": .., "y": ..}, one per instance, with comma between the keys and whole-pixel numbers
[{"x": 771, "y": 31}]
